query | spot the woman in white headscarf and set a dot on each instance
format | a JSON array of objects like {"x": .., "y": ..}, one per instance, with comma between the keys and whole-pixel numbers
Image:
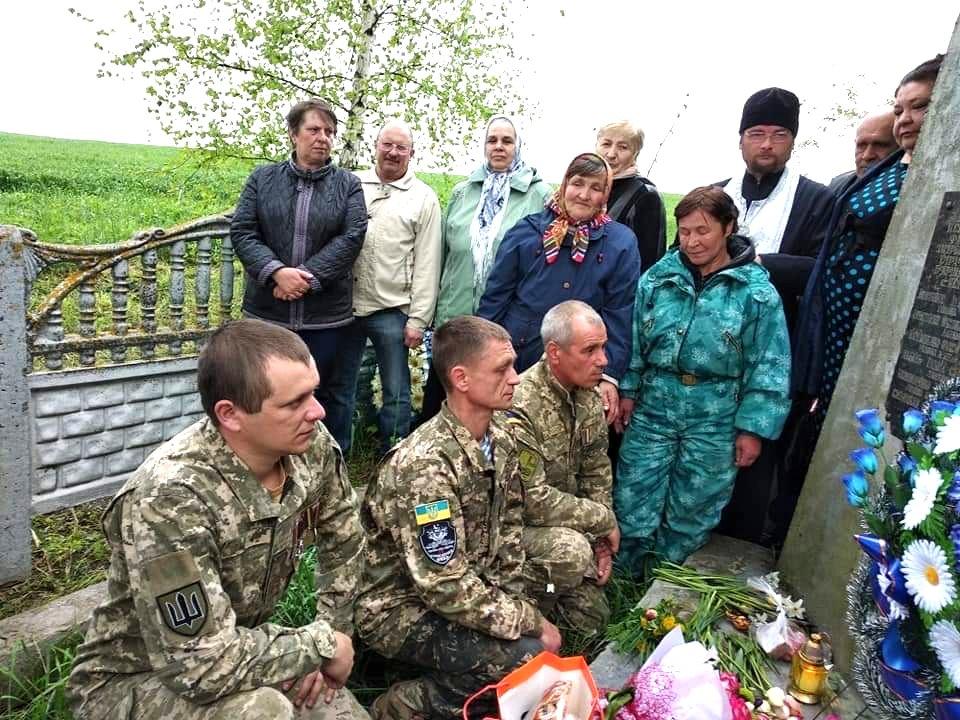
[{"x": 481, "y": 210}]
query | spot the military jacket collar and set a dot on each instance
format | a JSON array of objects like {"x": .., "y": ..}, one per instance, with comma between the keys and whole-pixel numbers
[
  {"x": 546, "y": 379},
  {"x": 243, "y": 483},
  {"x": 471, "y": 448}
]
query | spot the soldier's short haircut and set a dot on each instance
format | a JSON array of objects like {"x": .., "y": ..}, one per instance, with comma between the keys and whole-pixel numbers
[
  {"x": 460, "y": 341},
  {"x": 233, "y": 363},
  {"x": 557, "y": 325}
]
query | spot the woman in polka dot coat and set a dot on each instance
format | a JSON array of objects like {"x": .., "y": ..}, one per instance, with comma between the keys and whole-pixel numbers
[{"x": 841, "y": 276}]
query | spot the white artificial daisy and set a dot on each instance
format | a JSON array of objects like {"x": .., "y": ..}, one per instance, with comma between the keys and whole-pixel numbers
[
  {"x": 925, "y": 488},
  {"x": 928, "y": 575},
  {"x": 948, "y": 435},
  {"x": 945, "y": 641}
]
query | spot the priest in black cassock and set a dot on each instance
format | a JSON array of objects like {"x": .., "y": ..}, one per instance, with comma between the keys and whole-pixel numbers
[{"x": 785, "y": 214}]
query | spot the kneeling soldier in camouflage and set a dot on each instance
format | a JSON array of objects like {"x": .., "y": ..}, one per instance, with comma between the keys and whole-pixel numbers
[
  {"x": 570, "y": 532},
  {"x": 443, "y": 588},
  {"x": 205, "y": 536}
]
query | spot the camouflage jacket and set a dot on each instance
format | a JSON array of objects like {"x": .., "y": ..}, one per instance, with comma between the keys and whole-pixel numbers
[
  {"x": 562, "y": 442},
  {"x": 200, "y": 555},
  {"x": 444, "y": 530}
]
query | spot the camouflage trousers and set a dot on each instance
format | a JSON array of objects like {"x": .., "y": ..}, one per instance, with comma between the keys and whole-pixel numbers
[
  {"x": 144, "y": 697},
  {"x": 457, "y": 662},
  {"x": 560, "y": 571}
]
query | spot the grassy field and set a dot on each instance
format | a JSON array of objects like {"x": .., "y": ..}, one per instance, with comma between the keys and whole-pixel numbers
[{"x": 75, "y": 191}]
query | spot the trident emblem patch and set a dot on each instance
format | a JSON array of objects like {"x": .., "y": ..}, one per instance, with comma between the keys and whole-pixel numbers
[{"x": 184, "y": 610}]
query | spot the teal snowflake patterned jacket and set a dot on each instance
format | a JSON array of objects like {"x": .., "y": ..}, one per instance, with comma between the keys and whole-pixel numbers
[{"x": 729, "y": 326}]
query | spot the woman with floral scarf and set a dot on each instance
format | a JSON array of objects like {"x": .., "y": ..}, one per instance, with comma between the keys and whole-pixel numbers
[
  {"x": 571, "y": 250},
  {"x": 480, "y": 211}
]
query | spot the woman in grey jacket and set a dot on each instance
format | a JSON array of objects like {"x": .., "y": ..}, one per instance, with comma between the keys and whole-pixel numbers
[{"x": 297, "y": 229}]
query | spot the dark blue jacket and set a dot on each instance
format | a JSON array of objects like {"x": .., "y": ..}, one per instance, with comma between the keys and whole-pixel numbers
[
  {"x": 522, "y": 287},
  {"x": 809, "y": 333}
]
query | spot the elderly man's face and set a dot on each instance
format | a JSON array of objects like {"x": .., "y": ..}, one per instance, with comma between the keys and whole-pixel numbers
[
  {"x": 766, "y": 149},
  {"x": 313, "y": 140},
  {"x": 874, "y": 141},
  {"x": 581, "y": 363},
  {"x": 394, "y": 150}
]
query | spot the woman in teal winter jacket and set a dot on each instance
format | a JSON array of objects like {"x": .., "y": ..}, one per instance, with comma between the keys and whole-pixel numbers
[
  {"x": 481, "y": 210},
  {"x": 709, "y": 376}
]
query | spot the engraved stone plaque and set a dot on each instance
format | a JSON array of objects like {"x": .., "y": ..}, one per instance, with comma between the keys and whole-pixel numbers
[{"x": 930, "y": 352}]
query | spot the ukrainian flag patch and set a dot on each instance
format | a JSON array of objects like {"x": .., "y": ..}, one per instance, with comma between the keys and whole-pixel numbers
[{"x": 432, "y": 512}]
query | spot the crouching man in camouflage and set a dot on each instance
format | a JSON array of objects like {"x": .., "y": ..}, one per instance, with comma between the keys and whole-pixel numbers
[
  {"x": 570, "y": 532},
  {"x": 204, "y": 537},
  {"x": 443, "y": 588}
]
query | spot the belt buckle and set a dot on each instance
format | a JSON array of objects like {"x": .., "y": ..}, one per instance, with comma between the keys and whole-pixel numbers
[{"x": 688, "y": 379}]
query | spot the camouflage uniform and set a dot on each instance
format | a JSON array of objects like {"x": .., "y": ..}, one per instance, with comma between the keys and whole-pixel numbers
[
  {"x": 567, "y": 479},
  {"x": 200, "y": 555},
  {"x": 442, "y": 587}
]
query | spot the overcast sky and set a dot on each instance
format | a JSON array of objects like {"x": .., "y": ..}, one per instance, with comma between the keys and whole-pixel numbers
[{"x": 591, "y": 62}]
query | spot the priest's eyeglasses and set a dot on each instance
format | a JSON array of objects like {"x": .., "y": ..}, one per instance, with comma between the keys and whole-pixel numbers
[{"x": 777, "y": 137}]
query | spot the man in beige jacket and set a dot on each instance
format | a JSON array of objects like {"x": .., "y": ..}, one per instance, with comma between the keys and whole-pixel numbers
[{"x": 395, "y": 276}]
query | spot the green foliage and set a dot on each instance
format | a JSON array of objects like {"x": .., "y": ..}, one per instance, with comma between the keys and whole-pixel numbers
[
  {"x": 442, "y": 65},
  {"x": 40, "y": 697},
  {"x": 69, "y": 553}
]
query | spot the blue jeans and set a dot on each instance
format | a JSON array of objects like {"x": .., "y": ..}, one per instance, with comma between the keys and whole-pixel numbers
[
  {"x": 326, "y": 346},
  {"x": 385, "y": 330}
]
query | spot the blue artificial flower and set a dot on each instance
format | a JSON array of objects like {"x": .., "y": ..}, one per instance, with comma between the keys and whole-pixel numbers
[
  {"x": 865, "y": 460},
  {"x": 942, "y": 406},
  {"x": 857, "y": 488},
  {"x": 874, "y": 440},
  {"x": 953, "y": 493},
  {"x": 908, "y": 466},
  {"x": 913, "y": 420},
  {"x": 955, "y": 537},
  {"x": 870, "y": 420}
]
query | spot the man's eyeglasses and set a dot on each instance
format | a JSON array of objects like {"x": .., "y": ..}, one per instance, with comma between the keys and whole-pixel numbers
[
  {"x": 390, "y": 147},
  {"x": 777, "y": 137}
]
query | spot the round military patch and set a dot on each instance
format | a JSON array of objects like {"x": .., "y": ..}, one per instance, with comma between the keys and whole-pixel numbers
[{"x": 438, "y": 541}]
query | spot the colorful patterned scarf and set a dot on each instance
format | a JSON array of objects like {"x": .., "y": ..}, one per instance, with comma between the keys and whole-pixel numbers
[{"x": 562, "y": 224}]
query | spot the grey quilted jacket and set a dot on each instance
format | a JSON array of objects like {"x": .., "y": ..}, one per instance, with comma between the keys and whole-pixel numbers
[{"x": 314, "y": 220}]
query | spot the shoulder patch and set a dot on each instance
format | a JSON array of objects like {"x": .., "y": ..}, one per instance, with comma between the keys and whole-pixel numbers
[
  {"x": 528, "y": 461},
  {"x": 185, "y": 609},
  {"x": 438, "y": 540},
  {"x": 432, "y": 512}
]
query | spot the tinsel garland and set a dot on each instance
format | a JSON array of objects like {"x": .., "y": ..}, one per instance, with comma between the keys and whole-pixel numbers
[{"x": 867, "y": 629}]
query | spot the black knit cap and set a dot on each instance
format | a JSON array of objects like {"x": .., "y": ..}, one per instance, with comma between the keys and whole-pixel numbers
[{"x": 771, "y": 106}]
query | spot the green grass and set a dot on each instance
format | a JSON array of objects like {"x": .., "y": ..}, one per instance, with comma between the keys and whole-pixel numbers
[{"x": 80, "y": 192}]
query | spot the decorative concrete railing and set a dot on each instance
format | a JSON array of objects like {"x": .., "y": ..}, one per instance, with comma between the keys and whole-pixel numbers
[{"x": 98, "y": 351}]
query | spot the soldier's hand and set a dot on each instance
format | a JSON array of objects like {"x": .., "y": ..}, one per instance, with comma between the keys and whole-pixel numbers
[
  {"x": 310, "y": 687},
  {"x": 337, "y": 669},
  {"x": 604, "y": 560},
  {"x": 611, "y": 400},
  {"x": 613, "y": 539},
  {"x": 550, "y": 637},
  {"x": 624, "y": 413}
]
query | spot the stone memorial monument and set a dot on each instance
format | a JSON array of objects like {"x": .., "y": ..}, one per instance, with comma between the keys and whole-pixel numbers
[{"x": 899, "y": 329}]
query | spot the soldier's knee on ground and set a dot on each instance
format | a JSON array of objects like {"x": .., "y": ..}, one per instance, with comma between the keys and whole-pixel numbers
[
  {"x": 565, "y": 555},
  {"x": 261, "y": 704},
  {"x": 586, "y": 610},
  {"x": 402, "y": 701}
]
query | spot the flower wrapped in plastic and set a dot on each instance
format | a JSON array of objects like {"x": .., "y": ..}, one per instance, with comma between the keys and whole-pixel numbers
[{"x": 904, "y": 599}]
